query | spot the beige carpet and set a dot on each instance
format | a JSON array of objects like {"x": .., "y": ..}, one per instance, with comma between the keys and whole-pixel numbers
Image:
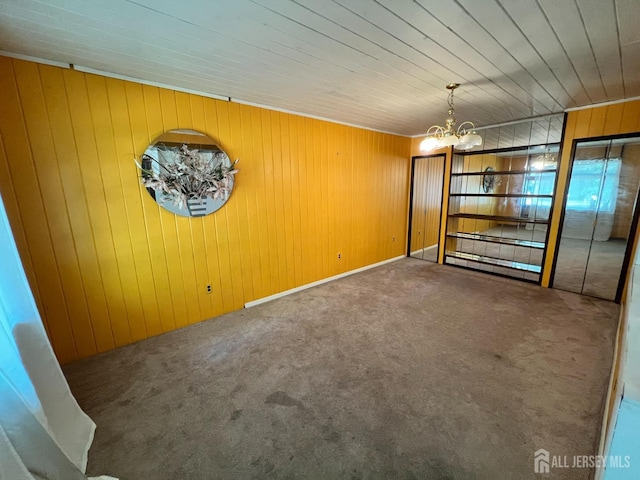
[{"x": 412, "y": 370}]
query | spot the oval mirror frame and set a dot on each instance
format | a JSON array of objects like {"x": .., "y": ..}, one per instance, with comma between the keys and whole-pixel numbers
[{"x": 188, "y": 152}]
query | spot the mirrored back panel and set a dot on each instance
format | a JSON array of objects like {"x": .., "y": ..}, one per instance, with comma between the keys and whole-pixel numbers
[
  {"x": 499, "y": 207},
  {"x": 426, "y": 206},
  {"x": 541, "y": 130},
  {"x": 599, "y": 209}
]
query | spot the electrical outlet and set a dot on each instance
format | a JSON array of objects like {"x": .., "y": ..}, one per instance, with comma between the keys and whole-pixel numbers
[
  {"x": 339, "y": 256},
  {"x": 207, "y": 288}
]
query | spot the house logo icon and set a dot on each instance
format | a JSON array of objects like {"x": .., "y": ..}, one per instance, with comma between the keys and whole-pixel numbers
[{"x": 541, "y": 461}]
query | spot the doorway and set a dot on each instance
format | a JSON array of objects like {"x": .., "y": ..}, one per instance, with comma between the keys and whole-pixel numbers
[
  {"x": 599, "y": 217},
  {"x": 425, "y": 215}
]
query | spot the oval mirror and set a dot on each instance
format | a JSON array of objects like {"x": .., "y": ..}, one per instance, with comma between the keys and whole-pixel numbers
[{"x": 186, "y": 173}]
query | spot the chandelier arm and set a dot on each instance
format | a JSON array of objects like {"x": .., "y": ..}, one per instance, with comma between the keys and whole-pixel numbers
[
  {"x": 462, "y": 130},
  {"x": 435, "y": 130},
  {"x": 449, "y": 135}
]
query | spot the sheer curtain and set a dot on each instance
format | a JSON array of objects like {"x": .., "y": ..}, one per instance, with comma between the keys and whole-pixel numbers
[{"x": 43, "y": 432}]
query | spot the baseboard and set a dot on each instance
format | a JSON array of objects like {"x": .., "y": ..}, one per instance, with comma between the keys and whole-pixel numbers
[{"x": 253, "y": 303}]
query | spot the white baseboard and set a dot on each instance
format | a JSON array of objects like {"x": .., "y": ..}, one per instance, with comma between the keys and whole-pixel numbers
[{"x": 319, "y": 282}]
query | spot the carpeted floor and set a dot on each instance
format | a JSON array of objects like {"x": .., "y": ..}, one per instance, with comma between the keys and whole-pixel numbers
[{"x": 412, "y": 370}]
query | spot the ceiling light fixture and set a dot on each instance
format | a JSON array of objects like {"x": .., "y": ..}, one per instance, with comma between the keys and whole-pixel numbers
[
  {"x": 546, "y": 161},
  {"x": 462, "y": 138}
]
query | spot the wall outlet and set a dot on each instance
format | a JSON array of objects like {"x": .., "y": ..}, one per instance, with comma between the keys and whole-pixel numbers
[
  {"x": 207, "y": 288},
  {"x": 339, "y": 256}
]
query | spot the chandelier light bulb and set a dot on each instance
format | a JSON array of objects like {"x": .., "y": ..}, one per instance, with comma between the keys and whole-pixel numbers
[
  {"x": 429, "y": 144},
  {"x": 470, "y": 140}
]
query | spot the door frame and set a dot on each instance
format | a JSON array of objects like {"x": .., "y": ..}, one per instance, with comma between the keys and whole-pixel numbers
[
  {"x": 631, "y": 239},
  {"x": 443, "y": 156}
]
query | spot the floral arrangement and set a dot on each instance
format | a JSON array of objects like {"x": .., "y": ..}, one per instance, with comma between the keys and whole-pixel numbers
[{"x": 187, "y": 174}]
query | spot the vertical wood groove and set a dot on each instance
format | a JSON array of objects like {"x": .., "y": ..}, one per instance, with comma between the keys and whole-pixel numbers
[
  {"x": 60, "y": 304},
  {"x": 606, "y": 120},
  {"x": 109, "y": 267}
]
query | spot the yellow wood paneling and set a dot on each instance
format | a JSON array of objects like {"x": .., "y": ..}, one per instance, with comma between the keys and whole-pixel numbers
[
  {"x": 19, "y": 180},
  {"x": 160, "y": 248},
  {"x": 130, "y": 224},
  {"x": 597, "y": 121},
  {"x": 613, "y": 119},
  {"x": 620, "y": 118},
  {"x": 630, "y": 117},
  {"x": 41, "y": 91},
  {"x": 77, "y": 143},
  {"x": 109, "y": 267}
]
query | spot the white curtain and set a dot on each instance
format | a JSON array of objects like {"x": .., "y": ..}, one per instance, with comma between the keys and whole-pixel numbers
[{"x": 43, "y": 432}]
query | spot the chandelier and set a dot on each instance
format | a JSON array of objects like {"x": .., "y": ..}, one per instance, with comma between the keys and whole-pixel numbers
[
  {"x": 462, "y": 138},
  {"x": 546, "y": 161}
]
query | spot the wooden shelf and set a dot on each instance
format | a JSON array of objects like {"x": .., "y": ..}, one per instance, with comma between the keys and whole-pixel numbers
[
  {"x": 503, "y": 172},
  {"x": 499, "y": 218},
  {"x": 498, "y": 262},
  {"x": 499, "y": 195},
  {"x": 500, "y": 240}
]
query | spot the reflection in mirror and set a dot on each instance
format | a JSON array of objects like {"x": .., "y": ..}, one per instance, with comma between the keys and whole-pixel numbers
[
  {"x": 499, "y": 207},
  {"x": 426, "y": 207},
  {"x": 186, "y": 173},
  {"x": 599, "y": 209}
]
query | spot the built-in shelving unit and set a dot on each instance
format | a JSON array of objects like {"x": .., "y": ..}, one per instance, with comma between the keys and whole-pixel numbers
[
  {"x": 500, "y": 240},
  {"x": 499, "y": 208},
  {"x": 498, "y": 218},
  {"x": 497, "y": 261}
]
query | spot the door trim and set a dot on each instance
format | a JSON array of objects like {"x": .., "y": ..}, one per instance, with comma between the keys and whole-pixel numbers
[
  {"x": 443, "y": 156},
  {"x": 631, "y": 239}
]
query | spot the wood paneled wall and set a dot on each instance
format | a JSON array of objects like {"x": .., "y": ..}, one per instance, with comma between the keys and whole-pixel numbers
[
  {"x": 616, "y": 119},
  {"x": 109, "y": 267}
]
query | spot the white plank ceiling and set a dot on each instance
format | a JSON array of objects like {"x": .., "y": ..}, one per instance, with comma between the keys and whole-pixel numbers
[{"x": 381, "y": 64}]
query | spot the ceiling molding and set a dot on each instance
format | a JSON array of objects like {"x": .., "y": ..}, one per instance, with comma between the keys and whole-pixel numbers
[
  {"x": 117, "y": 76},
  {"x": 29, "y": 58},
  {"x": 603, "y": 104},
  {"x": 377, "y": 65},
  {"x": 315, "y": 117}
]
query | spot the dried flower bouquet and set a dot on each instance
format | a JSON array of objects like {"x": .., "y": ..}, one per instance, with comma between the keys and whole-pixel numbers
[{"x": 186, "y": 174}]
